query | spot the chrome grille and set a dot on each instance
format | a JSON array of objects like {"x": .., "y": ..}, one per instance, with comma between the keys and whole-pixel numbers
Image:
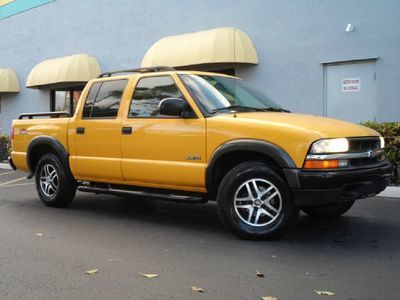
[{"x": 364, "y": 144}]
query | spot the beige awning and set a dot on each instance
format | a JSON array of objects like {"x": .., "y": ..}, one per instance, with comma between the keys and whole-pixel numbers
[
  {"x": 219, "y": 45},
  {"x": 8, "y": 81},
  {"x": 63, "y": 72}
]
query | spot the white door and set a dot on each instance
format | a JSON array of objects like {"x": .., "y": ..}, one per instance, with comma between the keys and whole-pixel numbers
[{"x": 350, "y": 91}]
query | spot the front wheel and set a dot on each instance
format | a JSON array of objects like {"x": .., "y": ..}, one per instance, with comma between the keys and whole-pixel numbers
[
  {"x": 56, "y": 188},
  {"x": 254, "y": 202},
  {"x": 329, "y": 210}
]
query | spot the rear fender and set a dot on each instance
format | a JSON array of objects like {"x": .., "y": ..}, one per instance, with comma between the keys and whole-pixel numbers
[{"x": 42, "y": 145}]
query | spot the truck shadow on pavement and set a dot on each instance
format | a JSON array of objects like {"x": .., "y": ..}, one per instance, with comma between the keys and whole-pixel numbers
[
  {"x": 353, "y": 230},
  {"x": 371, "y": 224}
]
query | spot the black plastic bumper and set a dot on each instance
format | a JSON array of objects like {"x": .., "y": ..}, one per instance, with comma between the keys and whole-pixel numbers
[
  {"x": 319, "y": 187},
  {"x": 11, "y": 163}
]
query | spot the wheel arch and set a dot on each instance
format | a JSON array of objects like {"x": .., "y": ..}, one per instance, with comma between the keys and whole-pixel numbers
[
  {"x": 42, "y": 145},
  {"x": 234, "y": 152}
]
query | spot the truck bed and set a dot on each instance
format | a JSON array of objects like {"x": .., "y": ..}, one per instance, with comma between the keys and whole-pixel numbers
[{"x": 24, "y": 130}]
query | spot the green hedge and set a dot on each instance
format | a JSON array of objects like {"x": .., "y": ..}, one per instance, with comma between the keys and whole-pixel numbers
[
  {"x": 391, "y": 132},
  {"x": 5, "y": 147}
]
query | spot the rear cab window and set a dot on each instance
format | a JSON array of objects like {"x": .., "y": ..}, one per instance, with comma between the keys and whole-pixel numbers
[{"x": 104, "y": 99}]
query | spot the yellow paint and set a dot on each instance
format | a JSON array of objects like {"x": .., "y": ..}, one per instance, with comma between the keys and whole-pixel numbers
[
  {"x": 26, "y": 130},
  {"x": 292, "y": 132},
  {"x": 156, "y": 153}
]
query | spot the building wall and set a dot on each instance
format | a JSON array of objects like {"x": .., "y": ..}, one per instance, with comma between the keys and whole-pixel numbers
[{"x": 292, "y": 39}]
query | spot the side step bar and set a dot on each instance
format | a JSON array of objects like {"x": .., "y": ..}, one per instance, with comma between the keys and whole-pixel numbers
[{"x": 142, "y": 193}]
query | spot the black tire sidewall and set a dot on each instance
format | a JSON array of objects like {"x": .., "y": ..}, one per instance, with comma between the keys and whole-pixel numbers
[
  {"x": 231, "y": 183},
  {"x": 66, "y": 187}
]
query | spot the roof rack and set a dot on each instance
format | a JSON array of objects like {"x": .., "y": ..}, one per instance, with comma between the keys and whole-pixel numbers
[{"x": 139, "y": 70}]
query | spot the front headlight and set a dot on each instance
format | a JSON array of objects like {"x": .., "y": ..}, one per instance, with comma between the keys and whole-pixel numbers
[
  {"x": 382, "y": 142},
  {"x": 330, "y": 146}
]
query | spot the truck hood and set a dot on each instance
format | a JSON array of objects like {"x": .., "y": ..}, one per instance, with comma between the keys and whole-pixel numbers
[{"x": 322, "y": 126}]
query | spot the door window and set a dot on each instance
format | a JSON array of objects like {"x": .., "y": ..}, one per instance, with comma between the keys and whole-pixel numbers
[
  {"x": 149, "y": 92},
  {"x": 104, "y": 99},
  {"x": 87, "y": 109}
]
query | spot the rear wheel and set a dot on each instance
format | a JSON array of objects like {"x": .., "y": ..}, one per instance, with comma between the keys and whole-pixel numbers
[
  {"x": 329, "y": 211},
  {"x": 254, "y": 202},
  {"x": 56, "y": 188}
]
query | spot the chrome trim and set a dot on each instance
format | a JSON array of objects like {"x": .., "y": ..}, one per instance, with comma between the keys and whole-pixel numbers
[{"x": 366, "y": 154}]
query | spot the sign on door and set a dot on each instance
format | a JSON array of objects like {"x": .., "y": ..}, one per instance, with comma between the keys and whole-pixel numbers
[{"x": 351, "y": 85}]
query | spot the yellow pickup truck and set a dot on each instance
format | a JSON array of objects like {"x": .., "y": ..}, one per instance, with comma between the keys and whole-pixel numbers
[{"x": 195, "y": 136}]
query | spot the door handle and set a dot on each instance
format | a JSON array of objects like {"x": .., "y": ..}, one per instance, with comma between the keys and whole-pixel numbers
[
  {"x": 80, "y": 130},
  {"x": 126, "y": 130}
]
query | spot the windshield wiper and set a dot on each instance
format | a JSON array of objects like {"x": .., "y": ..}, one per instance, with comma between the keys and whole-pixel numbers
[
  {"x": 277, "y": 109},
  {"x": 235, "y": 108},
  {"x": 238, "y": 107}
]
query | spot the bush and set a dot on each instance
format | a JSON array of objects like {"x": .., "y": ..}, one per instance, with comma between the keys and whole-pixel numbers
[
  {"x": 5, "y": 147},
  {"x": 391, "y": 132}
]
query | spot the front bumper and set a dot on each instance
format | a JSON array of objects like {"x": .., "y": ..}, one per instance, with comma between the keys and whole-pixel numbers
[{"x": 328, "y": 187}]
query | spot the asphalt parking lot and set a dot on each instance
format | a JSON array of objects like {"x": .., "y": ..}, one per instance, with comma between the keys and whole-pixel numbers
[{"x": 44, "y": 252}]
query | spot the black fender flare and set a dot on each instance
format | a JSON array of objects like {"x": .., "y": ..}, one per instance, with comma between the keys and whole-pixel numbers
[
  {"x": 276, "y": 153},
  {"x": 51, "y": 142}
]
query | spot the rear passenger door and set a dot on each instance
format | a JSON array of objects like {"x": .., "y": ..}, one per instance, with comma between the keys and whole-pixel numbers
[
  {"x": 158, "y": 150},
  {"x": 98, "y": 133}
]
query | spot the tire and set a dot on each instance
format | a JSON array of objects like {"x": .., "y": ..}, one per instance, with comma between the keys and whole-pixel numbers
[
  {"x": 328, "y": 211},
  {"x": 55, "y": 185},
  {"x": 235, "y": 186}
]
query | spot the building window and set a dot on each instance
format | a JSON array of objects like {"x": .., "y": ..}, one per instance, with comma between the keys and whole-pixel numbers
[{"x": 65, "y": 100}]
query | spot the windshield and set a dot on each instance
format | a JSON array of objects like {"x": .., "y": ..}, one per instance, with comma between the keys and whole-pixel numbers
[{"x": 224, "y": 94}]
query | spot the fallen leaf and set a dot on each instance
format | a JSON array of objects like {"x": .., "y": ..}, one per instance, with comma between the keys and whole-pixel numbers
[
  {"x": 259, "y": 274},
  {"x": 269, "y": 298},
  {"x": 39, "y": 234},
  {"x": 148, "y": 275},
  {"x": 89, "y": 272},
  {"x": 197, "y": 289},
  {"x": 325, "y": 293}
]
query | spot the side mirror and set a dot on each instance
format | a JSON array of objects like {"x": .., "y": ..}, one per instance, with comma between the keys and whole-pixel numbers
[{"x": 172, "y": 107}]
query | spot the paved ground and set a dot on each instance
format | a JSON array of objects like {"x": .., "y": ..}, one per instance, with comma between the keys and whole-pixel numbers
[{"x": 356, "y": 256}]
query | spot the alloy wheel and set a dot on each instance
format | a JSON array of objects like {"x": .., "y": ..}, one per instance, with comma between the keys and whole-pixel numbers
[
  {"x": 49, "y": 180},
  {"x": 258, "y": 202}
]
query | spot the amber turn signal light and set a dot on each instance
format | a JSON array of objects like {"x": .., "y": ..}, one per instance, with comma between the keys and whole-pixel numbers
[{"x": 321, "y": 164}]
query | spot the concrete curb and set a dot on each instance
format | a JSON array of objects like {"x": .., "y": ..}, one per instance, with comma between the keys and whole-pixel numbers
[
  {"x": 5, "y": 166},
  {"x": 390, "y": 192}
]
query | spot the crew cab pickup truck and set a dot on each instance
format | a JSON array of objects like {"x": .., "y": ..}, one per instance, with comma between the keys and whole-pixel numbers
[{"x": 195, "y": 136}]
